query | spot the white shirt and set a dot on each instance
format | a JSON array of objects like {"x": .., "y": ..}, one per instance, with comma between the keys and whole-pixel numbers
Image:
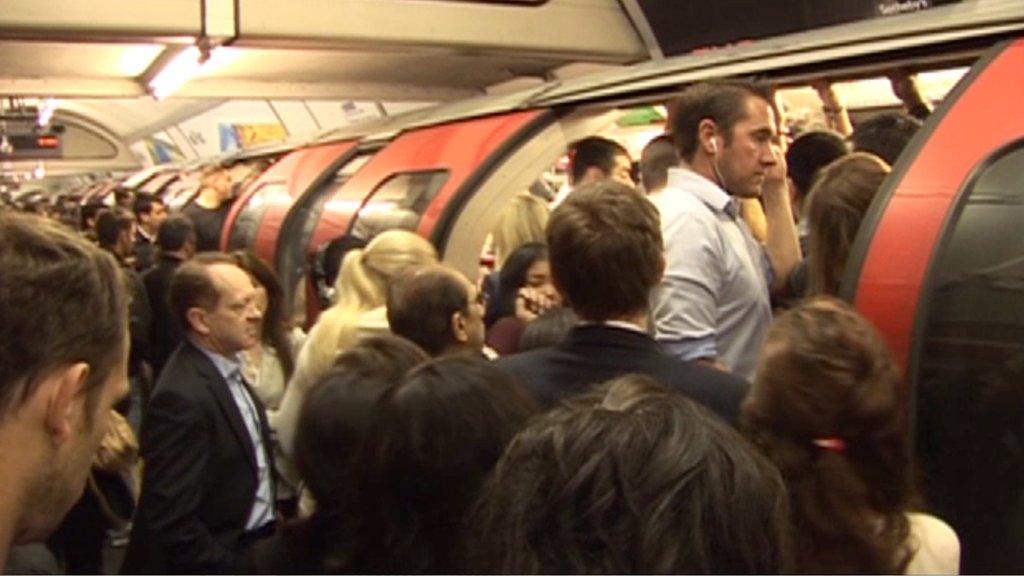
[{"x": 713, "y": 300}]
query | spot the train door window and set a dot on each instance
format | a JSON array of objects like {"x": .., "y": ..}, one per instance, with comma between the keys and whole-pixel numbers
[
  {"x": 970, "y": 391},
  {"x": 292, "y": 260},
  {"x": 398, "y": 202},
  {"x": 247, "y": 223}
]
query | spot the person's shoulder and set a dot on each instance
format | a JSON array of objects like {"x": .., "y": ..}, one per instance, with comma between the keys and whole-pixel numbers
[
  {"x": 697, "y": 372},
  {"x": 935, "y": 545},
  {"x": 523, "y": 361}
]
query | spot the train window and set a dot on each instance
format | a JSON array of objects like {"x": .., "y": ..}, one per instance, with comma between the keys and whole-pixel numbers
[
  {"x": 247, "y": 223},
  {"x": 398, "y": 202},
  {"x": 303, "y": 219},
  {"x": 970, "y": 392}
]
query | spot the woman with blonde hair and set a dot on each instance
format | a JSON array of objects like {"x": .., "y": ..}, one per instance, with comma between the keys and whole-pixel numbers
[
  {"x": 361, "y": 290},
  {"x": 839, "y": 199},
  {"x": 522, "y": 221}
]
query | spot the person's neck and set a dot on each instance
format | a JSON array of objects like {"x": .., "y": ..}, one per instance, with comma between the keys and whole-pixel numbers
[
  {"x": 9, "y": 515},
  {"x": 13, "y": 495},
  {"x": 213, "y": 345},
  {"x": 703, "y": 166}
]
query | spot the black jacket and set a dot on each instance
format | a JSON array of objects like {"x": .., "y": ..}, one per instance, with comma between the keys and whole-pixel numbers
[
  {"x": 199, "y": 474},
  {"x": 593, "y": 354},
  {"x": 164, "y": 334}
]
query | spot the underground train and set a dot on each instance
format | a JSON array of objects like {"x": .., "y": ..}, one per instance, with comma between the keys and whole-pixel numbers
[{"x": 938, "y": 265}]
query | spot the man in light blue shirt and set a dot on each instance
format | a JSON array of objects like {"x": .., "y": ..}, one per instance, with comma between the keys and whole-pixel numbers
[
  {"x": 713, "y": 303},
  {"x": 208, "y": 486}
]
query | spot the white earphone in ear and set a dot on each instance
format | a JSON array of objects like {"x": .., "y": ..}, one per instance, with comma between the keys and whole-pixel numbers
[{"x": 714, "y": 145}]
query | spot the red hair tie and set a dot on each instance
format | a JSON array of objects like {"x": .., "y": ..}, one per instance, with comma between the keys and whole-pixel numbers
[{"x": 831, "y": 443}]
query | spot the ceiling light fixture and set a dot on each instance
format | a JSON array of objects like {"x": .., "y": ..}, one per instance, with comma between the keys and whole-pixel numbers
[
  {"x": 185, "y": 66},
  {"x": 46, "y": 110}
]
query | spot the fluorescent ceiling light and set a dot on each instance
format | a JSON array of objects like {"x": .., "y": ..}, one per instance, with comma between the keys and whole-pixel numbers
[
  {"x": 185, "y": 66},
  {"x": 46, "y": 110}
]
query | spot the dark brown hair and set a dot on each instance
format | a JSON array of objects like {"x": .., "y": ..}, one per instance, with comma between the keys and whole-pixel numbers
[
  {"x": 606, "y": 250},
  {"x": 275, "y": 319},
  {"x": 335, "y": 418},
  {"x": 62, "y": 301},
  {"x": 838, "y": 200},
  {"x": 828, "y": 408},
  {"x": 630, "y": 479},
  {"x": 721, "y": 101},
  {"x": 421, "y": 304},
  {"x": 436, "y": 438}
]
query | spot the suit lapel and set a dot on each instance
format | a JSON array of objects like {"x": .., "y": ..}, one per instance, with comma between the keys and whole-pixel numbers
[{"x": 226, "y": 402}]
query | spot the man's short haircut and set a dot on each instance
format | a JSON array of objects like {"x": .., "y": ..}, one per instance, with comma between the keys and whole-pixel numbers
[
  {"x": 594, "y": 151},
  {"x": 885, "y": 135},
  {"x": 174, "y": 232},
  {"x": 110, "y": 224},
  {"x": 88, "y": 212},
  {"x": 657, "y": 157},
  {"x": 421, "y": 303},
  {"x": 62, "y": 301},
  {"x": 605, "y": 250},
  {"x": 721, "y": 101},
  {"x": 192, "y": 286},
  {"x": 143, "y": 204},
  {"x": 809, "y": 153}
]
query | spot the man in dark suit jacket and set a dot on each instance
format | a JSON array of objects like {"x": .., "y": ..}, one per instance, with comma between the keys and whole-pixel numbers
[
  {"x": 149, "y": 213},
  {"x": 606, "y": 255},
  {"x": 177, "y": 241},
  {"x": 207, "y": 487}
]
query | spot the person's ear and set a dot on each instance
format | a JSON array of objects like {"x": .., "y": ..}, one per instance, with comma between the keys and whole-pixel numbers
[
  {"x": 707, "y": 137},
  {"x": 661, "y": 267},
  {"x": 198, "y": 320},
  {"x": 63, "y": 395},
  {"x": 459, "y": 328}
]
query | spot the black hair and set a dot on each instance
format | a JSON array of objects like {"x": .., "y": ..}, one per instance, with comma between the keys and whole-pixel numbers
[
  {"x": 174, "y": 232},
  {"x": 143, "y": 204},
  {"x": 885, "y": 135},
  {"x": 511, "y": 278},
  {"x": 809, "y": 153},
  {"x": 594, "y": 151},
  {"x": 110, "y": 224},
  {"x": 436, "y": 438}
]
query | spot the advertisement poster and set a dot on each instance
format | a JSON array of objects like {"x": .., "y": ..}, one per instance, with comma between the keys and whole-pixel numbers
[{"x": 246, "y": 136}]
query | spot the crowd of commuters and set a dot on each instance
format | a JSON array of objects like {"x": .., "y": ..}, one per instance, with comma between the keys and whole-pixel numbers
[{"x": 654, "y": 378}]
